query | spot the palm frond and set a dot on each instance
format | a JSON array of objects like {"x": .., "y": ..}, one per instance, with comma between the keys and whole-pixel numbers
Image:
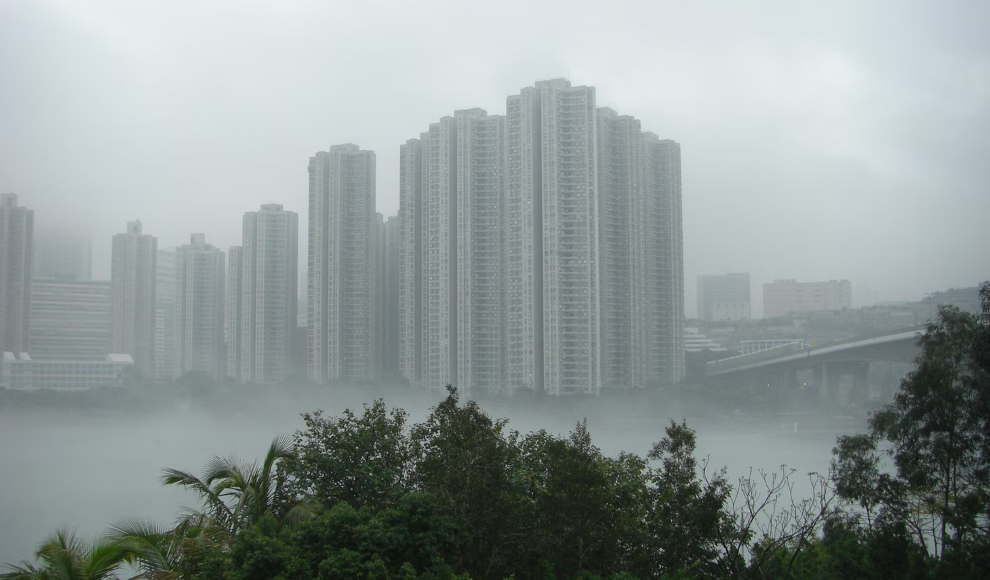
[
  {"x": 155, "y": 547},
  {"x": 134, "y": 527},
  {"x": 105, "y": 557},
  {"x": 26, "y": 571},
  {"x": 222, "y": 468},
  {"x": 211, "y": 498}
]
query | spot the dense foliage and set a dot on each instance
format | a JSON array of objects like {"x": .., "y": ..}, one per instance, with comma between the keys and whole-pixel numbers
[{"x": 460, "y": 495}]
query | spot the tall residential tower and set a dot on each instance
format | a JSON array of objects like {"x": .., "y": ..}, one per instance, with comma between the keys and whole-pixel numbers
[
  {"x": 263, "y": 276},
  {"x": 199, "y": 308},
  {"x": 16, "y": 237},
  {"x": 132, "y": 296},
  {"x": 343, "y": 312}
]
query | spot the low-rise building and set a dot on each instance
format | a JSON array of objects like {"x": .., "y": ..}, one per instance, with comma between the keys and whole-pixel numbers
[
  {"x": 25, "y": 374},
  {"x": 724, "y": 297},
  {"x": 786, "y": 296},
  {"x": 695, "y": 341}
]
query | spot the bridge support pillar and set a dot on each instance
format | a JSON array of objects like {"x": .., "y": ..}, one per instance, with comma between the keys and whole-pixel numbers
[
  {"x": 790, "y": 378},
  {"x": 860, "y": 392},
  {"x": 825, "y": 384}
]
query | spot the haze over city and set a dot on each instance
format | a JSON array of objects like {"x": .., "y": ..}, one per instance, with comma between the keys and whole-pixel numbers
[
  {"x": 818, "y": 141},
  {"x": 519, "y": 289}
]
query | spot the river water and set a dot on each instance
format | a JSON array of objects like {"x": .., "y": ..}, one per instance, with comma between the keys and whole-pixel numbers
[{"x": 87, "y": 469}]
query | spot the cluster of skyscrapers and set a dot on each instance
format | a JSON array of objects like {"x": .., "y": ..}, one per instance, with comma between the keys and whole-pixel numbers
[
  {"x": 164, "y": 312},
  {"x": 540, "y": 250},
  {"x": 536, "y": 250}
]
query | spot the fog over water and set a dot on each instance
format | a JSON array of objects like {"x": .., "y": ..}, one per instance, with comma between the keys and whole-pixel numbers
[{"x": 89, "y": 469}]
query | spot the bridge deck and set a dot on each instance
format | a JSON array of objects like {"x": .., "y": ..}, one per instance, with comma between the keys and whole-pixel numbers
[{"x": 792, "y": 352}]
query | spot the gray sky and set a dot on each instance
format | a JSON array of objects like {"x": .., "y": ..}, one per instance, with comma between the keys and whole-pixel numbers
[{"x": 819, "y": 140}]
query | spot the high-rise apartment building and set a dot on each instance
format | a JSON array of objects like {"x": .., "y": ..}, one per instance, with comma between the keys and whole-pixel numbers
[
  {"x": 411, "y": 306},
  {"x": 132, "y": 296},
  {"x": 663, "y": 261},
  {"x": 642, "y": 272},
  {"x": 389, "y": 304},
  {"x": 165, "y": 332},
  {"x": 790, "y": 296},
  {"x": 343, "y": 317},
  {"x": 540, "y": 250},
  {"x": 451, "y": 292},
  {"x": 571, "y": 316},
  {"x": 199, "y": 308},
  {"x": 480, "y": 291},
  {"x": 70, "y": 320},
  {"x": 62, "y": 255},
  {"x": 724, "y": 297},
  {"x": 16, "y": 237},
  {"x": 232, "y": 326},
  {"x": 622, "y": 269},
  {"x": 263, "y": 275},
  {"x": 440, "y": 262}
]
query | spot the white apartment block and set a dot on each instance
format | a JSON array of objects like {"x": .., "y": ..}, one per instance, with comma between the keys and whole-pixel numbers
[
  {"x": 199, "y": 308},
  {"x": 381, "y": 264},
  {"x": 478, "y": 250},
  {"x": 164, "y": 364},
  {"x": 523, "y": 225},
  {"x": 790, "y": 296},
  {"x": 623, "y": 305},
  {"x": 663, "y": 261},
  {"x": 389, "y": 259},
  {"x": 261, "y": 327},
  {"x": 132, "y": 296},
  {"x": 440, "y": 260},
  {"x": 16, "y": 264},
  {"x": 232, "y": 326},
  {"x": 70, "y": 320},
  {"x": 571, "y": 278},
  {"x": 451, "y": 292},
  {"x": 343, "y": 313},
  {"x": 411, "y": 329},
  {"x": 387, "y": 297}
]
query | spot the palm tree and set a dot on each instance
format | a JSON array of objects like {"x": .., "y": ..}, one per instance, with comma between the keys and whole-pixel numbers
[
  {"x": 160, "y": 553},
  {"x": 63, "y": 555},
  {"x": 235, "y": 494}
]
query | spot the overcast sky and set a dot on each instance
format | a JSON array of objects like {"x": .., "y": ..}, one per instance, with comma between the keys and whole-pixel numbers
[{"x": 820, "y": 140}]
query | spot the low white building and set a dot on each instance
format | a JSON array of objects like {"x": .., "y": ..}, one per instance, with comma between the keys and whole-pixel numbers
[
  {"x": 790, "y": 296},
  {"x": 694, "y": 341},
  {"x": 20, "y": 372}
]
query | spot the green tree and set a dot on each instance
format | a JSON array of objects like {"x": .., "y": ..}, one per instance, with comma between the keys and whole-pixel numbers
[
  {"x": 587, "y": 510},
  {"x": 362, "y": 460},
  {"x": 407, "y": 540},
  {"x": 468, "y": 463},
  {"x": 685, "y": 520},
  {"x": 936, "y": 432}
]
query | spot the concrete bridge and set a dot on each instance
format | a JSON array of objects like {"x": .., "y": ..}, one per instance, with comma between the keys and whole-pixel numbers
[{"x": 839, "y": 371}]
